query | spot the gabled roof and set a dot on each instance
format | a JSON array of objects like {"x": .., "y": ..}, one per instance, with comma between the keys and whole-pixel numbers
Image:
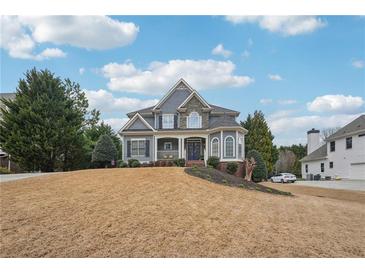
[
  {"x": 224, "y": 122},
  {"x": 222, "y": 109},
  {"x": 172, "y": 90},
  {"x": 355, "y": 126},
  {"x": 141, "y": 111},
  {"x": 319, "y": 154},
  {"x": 133, "y": 119},
  {"x": 196, "y": 95}
]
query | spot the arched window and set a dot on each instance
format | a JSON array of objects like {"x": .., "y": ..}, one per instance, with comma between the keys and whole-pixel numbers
[
  {"x": 229, "y": 147},
  {"x": 215, "y": 147},
  {"x": 194, "y": 120}
]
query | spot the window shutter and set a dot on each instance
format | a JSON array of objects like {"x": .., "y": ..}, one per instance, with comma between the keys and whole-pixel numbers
[
  {"x": 160, "y": 121},
  {"x": 175, "y": 121},
  {"x": 128, "y": 148},
  {"x": 147, "y": 148}
]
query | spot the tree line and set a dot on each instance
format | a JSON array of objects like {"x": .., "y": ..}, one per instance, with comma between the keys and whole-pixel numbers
[{"x": 48, "y": 127}]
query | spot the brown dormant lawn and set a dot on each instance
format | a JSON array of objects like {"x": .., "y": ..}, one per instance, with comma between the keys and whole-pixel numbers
[{"x": 164, "y": 212}]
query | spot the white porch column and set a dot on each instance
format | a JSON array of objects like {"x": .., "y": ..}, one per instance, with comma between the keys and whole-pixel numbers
[
  {"x": 243, "y": 147},
  {"x": 179, "y": 147},
  {"x": 222, "y": 145},
  {"x": 183, "y": 148},
  {"x": 156, "y": 139}
]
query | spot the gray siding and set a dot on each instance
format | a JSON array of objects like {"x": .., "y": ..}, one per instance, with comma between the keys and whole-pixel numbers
[
  {"x": 150, "y": 121},
  {"x": 138, "y": 125},
  {"x": 174, "y": 141},
  {"x": 175, "y": 100},
  {"x": 142, "y": 158}
]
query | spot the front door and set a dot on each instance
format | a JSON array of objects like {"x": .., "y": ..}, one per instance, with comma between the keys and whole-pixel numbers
[{"x": 194, "y": 150}]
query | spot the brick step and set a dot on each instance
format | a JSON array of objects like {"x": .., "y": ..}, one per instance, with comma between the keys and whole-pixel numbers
[{"x": 195, "y": 163}]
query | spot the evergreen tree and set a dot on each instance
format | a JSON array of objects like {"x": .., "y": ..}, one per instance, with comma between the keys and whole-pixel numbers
[
  {"x": 42, "y": 127},
  {"x": 300, "y": 152},
  {"x": 260, "y": 171},
  {"x": 104, "y": 151},
  {"x": 259, "y": 138}
]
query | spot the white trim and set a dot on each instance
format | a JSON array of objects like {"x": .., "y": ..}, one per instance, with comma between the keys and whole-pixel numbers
[
  {"x": 236, "y": 144},
  {"x": 221, "y": 145},
  {"x": 199, "y": 120},
  {"x": 211, "y": 147},
  {"x": 225, "y": 146},
  {"x": 194, "y": 93},
  {"x": 171, "y": 91},
  {"x": 133, "y": 119}
]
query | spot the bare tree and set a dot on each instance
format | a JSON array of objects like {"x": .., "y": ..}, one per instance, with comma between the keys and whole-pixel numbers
[
  {"x": 250, "y": 165},
  {"x": 286, "y": 161},
  {"x": 326, "y": 132}
]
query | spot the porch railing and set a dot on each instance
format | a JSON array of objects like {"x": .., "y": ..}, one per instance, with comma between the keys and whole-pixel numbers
[{"x": 167, "y": 154}]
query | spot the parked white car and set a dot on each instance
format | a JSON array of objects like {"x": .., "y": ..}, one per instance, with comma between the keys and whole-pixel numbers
[{"x": 284, "y": 178}]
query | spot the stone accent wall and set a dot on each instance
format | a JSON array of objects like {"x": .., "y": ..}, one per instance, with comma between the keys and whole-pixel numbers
[{"x": 194, "y": 105}]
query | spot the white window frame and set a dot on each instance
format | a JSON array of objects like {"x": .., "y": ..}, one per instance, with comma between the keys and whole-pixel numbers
[
  {"x": 211, "y": 147},
  {"x": 189, "y": 121},
  {"x": 168, "y": 121},
  {"x": 240, "y": 143},
  {"x": 138, "y": 147},
  {"x": 225, "y": 146},
  {"x": 164, "y": 146}
]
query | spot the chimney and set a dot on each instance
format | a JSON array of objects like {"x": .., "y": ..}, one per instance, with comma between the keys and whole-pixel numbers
[{"x": 312, "y": 140}]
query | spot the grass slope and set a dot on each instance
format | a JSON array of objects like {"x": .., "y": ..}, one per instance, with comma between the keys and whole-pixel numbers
[{"x": 164, "y": 212}]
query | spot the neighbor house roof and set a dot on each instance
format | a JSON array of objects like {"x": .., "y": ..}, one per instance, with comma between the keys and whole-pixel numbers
[
  {"x": 319, "y": 154},
  {"x": 355, "y": 126}
]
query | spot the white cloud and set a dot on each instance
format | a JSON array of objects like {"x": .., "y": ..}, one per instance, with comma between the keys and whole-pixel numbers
[
  {"x": 275, "y": 77},
  {"x": 358, "y": 64},
  {"x": 116, "y": 123},
  {"x": 336, "y": 103},
  {"x": 159, "y": 76},
  {"x": 287, "y": 101},
  {"x": 21, "y": 34},
  {"x": 81, "y": 71},
  {"x": 220, "y": 50},
  {"x": 50, "y": 53},
  {"x": 305, "y": 122},
  {"x": 106, "y": 102},
  {"x": 286, "y": 25},
  {"x": 265, "y": 101}
]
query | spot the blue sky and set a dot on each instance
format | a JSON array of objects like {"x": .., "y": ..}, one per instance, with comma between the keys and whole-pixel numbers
[{"x": 302, "y": 72}]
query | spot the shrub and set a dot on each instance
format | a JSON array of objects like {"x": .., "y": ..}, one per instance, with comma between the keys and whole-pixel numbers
[
  {"x": 162, "y": 163},
  {"x": 232, "y": 167},
  {"x": 130, "y": 161},
  {"x": 4, "y": 170},
  {"x": 104, "y": 151},
  {"x": 213, "y": 161},
  {"x": 260, "y": 171},
  {"x": 135, "y": 163},
  {"x": 180, "y": 162},
  {"x": 121, "y": 163},
  {"x": 169, "y": 163}
]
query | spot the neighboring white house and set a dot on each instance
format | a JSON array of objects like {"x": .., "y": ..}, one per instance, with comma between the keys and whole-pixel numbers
[{"x": 341, "y": 156}]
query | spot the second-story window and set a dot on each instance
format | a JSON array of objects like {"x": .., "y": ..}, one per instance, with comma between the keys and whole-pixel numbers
[
  {"x": 168, "y": 121},
  {"x": 348, "y": 142},
  {"x": 332, "y": 146},
  {"x": 194, "y": 120}
]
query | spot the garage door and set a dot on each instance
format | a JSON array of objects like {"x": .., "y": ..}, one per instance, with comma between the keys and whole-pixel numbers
[{"x": 357, "y": 171}]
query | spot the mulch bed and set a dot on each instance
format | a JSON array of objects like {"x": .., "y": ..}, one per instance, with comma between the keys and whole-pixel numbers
[{"x": 219, "y": 177}]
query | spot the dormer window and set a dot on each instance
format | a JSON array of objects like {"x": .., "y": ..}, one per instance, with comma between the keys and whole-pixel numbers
[{"x": 194, "y": 120}]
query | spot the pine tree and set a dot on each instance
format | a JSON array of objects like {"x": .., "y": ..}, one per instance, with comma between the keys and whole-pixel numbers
[
  {"x": 260, "y": 171},
  {"x": 104, "y": 151},
  {"x": 42, "y": 127},
  {"x": 259, "y": 138}
]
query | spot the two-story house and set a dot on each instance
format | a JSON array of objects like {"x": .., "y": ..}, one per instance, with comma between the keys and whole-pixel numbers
[
  {"x": 183, "y": 125},
  {"x": 341, "y": 156}
]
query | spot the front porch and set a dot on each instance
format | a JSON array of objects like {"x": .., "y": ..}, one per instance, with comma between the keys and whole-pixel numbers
[{"x": 189, "y": 148}]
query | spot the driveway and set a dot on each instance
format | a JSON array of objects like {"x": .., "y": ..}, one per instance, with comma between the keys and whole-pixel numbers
[
  {"x": 343, "y": 184},
  {"x": 13, "y": 177}
]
